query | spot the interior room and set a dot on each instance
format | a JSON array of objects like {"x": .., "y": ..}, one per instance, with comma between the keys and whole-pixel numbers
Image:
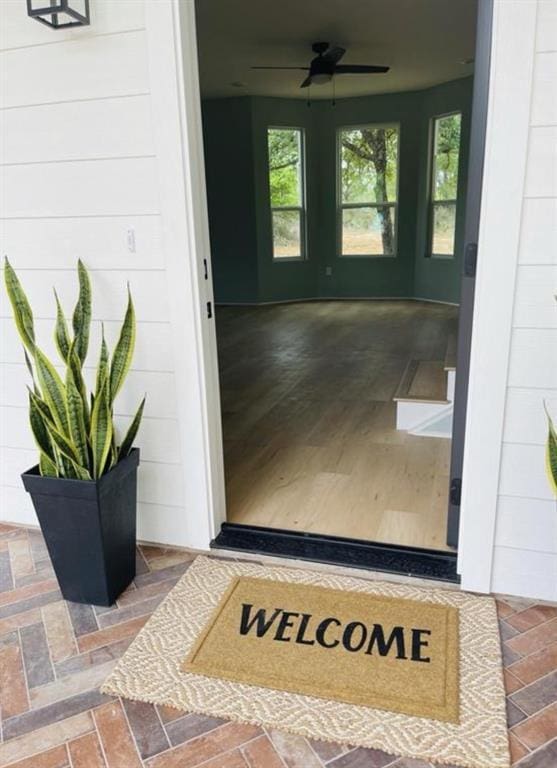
[{"x": 336, "y": 140}]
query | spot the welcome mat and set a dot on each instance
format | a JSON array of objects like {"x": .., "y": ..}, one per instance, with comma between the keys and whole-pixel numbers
[
  {"x": 386, "y": 652},
  {"x": 192, "y": 655}
]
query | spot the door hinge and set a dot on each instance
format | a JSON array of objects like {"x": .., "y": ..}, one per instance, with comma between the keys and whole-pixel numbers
[
  {"x": 209, "y": 310},
  {"x": 205, "y": 270},
  {"x": 455, "y": 491},
  {"x": 470, "y": 259}
]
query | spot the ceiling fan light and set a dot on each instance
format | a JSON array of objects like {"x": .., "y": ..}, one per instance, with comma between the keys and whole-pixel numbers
[{"x": 321, "y": 78}]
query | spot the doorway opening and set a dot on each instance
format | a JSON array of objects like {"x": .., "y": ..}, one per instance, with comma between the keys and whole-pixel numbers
[{"x": 337, "y": 183}]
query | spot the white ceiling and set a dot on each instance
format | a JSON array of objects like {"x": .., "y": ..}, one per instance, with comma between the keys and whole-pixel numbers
[{"x": 423, "y": 41}]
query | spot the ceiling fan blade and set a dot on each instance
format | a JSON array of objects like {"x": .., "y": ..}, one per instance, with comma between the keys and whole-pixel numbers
[
  {"x": 334, "y": 54},
  {"x": 355, "y": 69},
  {"x": 307, "y": 82},
  {"x": 303, "y": 69}
]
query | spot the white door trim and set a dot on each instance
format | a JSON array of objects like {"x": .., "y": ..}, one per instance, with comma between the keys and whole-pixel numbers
[
  {"x": 174, "y": 85},
  {"x": 506, "y": 148}
]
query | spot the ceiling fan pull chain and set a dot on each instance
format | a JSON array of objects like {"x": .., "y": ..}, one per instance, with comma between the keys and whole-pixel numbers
[{"x": 334, "y": 96}]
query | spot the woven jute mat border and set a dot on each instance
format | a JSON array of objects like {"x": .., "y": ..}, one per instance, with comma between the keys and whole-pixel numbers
[{"x": 150, "y": 671}]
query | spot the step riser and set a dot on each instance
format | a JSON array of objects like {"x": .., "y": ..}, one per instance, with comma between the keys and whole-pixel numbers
[
  {"x": 409, "y": 415},
  {"x": 451, "y": 376}
]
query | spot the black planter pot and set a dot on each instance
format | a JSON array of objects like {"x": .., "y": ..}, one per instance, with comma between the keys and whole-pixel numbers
[{"x": 89, "y": 529}]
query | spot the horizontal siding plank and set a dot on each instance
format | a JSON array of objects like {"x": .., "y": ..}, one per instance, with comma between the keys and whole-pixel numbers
[
  {"x": 541, "y": 168},
  {"x": 546, "y": 30},
  {"x": 524, "y": 573},
  {"x": 525, "y": 417},
  {"x": 544, "y": 101},
  {"x": 157, "y": 483},
  {"x": 153, "y": 348},
  {"x": 165, "y": 525},
  {"x": 81, "y": 188},
  {"x": 533, "y": 359},
  {"x": 522, "y": 472},
  {"x": 107, "y": 16},
  {"x": 88, "y": 68},
  {"x": 534, "y": 304},
  {"x": 109, "y": 294},
  {"x": 538, "y": 234},
  {"x": 155, "y": 522},
  {"x": 101, "y": 242},
  {"x": 527, "y": 524},
  {"x": 158, "y": 439},
  {"x": 16, "y": 506},
  {"x": 70, "y": 131},
  {"x": 14, "y": 461},
  {"x": 159, "y": 387}
]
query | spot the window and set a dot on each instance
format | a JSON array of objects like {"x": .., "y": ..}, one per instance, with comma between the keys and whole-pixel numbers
[
  {"x": 444, "y": 184},
  {"x": 368, "y": 181},
  {"x": 286, "y": 184}
]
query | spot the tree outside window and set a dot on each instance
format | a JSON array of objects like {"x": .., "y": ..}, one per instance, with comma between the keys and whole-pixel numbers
[
  {"x": 444, "y": 184},
  {"x": 286, "y": 186},
  {"x": 368, "y": 166}
]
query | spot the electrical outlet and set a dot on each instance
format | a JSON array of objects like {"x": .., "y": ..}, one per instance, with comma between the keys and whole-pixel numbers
[
  {"x": 328, "y": 271},
  {"x": 130, "y": 239}
]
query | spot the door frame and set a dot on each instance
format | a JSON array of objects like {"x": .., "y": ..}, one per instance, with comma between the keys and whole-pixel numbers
[
  {"x": 478, "y": 128},
  {"x": 489, "y": 342}
]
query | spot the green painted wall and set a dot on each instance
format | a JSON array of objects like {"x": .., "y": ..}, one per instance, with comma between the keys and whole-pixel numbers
[
  {"x": 228, "y": 144},
  {"x": 238, "y": 193},
  {"x": 287, "y": 279}
]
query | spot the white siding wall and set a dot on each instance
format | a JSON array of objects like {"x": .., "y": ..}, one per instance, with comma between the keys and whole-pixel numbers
[
  {"x": 80, "y": 167},
  {"x": 525, "y": 547}
]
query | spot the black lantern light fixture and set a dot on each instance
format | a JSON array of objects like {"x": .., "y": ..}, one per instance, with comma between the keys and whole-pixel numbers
[{"x": 59, "y": 13}]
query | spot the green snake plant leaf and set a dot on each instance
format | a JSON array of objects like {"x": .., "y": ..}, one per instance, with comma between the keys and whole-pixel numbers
[
  {"x": 39, "y": 428},
  {"x": 23, "y": 314},
  {"x": 31, "y": 372},
  {"x": 81, "y": 320},
  {"x": 74, "y": 366},
  {"x": 123, "y": 352},
  {"x": 68, "y": 455},
  {"x": 551, "y": 453},
  {"x": 76, "y": 420},
  {"x": 47, "y": 467},
  {"x": 127, "y": 442},
  {"x": 102, "y": 368},
  {"x": 53, "y": 389},
  {"x": 80, "y": 472},
  {"x": 65, "y": 446},
  {"x": 101, "y": 430},
  {"x": 61, "y": 333},
  {"x": 66, "y": 467},
  {"x": 41, "y": 406}
]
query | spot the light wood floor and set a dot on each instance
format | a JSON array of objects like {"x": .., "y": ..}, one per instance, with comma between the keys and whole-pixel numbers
[{"x": 309, "y": 422}]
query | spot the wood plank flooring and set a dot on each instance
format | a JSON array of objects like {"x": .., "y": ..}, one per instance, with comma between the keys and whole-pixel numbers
[{"x": 309, "y": 422}]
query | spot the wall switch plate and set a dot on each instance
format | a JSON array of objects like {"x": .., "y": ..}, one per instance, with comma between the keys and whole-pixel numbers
[
  {"x": 130, "y": 239},
  {"x": 328, "y": 271}
]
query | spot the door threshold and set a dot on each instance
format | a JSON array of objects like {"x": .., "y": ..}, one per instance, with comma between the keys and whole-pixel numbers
[{"x": 336, "y": 550}]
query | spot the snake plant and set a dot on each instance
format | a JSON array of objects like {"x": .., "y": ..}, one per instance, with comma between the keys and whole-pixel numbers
[
  {"x": 551, "y": 453},
  {"x": 74, "y": 430}
]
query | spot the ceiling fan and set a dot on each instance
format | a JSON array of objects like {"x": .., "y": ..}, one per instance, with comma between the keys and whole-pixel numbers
[{"x": 325, "y": 65}]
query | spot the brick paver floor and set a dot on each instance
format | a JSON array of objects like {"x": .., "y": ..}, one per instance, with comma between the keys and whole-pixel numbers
[{"x": 55, "y": 654}]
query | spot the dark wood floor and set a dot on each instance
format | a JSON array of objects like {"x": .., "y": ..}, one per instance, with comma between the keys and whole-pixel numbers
[{"x": 309, "y": 420}]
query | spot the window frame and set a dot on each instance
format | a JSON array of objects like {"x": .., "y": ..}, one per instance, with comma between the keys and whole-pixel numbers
[
  {"x": 431, "y": 203},
  {"x": 303, "y": 195},
  {"x": 342, "y": 206}
]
